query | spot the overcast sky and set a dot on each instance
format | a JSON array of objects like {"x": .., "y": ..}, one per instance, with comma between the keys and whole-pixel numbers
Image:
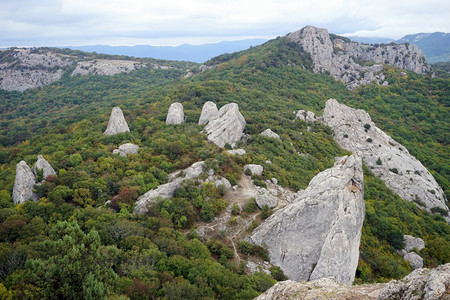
[{"x": 175, "y": 22}]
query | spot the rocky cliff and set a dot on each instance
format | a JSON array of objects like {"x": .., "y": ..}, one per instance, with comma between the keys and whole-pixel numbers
[
  {"x": 388, "y": 159},
  {"x": 341, "y": 57},
  {"x": 318, "y": 235}
]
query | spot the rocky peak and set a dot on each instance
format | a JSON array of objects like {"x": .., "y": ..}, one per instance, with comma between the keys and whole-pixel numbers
[
  {"x": 24, "y": 184},
  {"x": 175, "y": 115},
  {"x": 227, "y": 127},
  {"x": 117, "y": 123},
  {"x": 43, "y": 165},
  {"x": 388, "y": 159},
  {"x": 326, "y": 219},
  {"x": 340, "y": 57}
]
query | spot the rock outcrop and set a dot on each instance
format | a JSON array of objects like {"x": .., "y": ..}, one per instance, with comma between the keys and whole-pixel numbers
[
  {"x": 414, "y": 260},
  {"x": 318, "y": 235},
  {"x": 227, "y": 127},
  {"x": 388, "y": 159},
  {"x": 117, "y": 123},
  {"x": 237, "y": 152},
  {"x": 42, "y": 164},
  {"x": 269, "y": 133},
  {"x": 340, "y": 57},
  {"x": 254, "y": 169},
  {"x": 127, "y": 148},
  {"x": 420, "y": 284},
  {"x": 167, "y": 190},
  {"x": 106, "y": 67},
  {"x": 209, "y": 112},
  {"x": 264, "y": 197},
  {"x": 307, "y": 116},
  {"x": 24, "y": 184},
  {"x": 175, "y": 115},
  {"x": 412, "y": 243}
]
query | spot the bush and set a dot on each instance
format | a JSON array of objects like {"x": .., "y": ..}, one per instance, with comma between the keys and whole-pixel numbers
[
  {"x": 235, "y": 209},
  {"x": 251, "y": 206}
]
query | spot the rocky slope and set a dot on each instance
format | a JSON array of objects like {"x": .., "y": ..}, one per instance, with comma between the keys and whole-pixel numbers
[
  {"x": 341, "y": 57},
  {"x": 420, "y": 284},
  {"x": 388, "y": 159},
  {"x": 318, "y": 235}
]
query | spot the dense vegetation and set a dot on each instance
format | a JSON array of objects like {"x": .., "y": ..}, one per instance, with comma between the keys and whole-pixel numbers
[{"x": 48, "y": 248}]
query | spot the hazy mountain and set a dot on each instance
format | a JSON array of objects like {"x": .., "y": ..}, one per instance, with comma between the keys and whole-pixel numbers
[{"x": 186, "y": 52}]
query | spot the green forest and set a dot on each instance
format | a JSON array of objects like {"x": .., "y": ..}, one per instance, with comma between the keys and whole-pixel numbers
[{"x": 70, "y": 245}]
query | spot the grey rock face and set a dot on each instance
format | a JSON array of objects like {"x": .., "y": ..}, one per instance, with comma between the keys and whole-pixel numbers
[
  {"x": 427, "y": 284},
  {"x": 340, "y": 57},
  {"x": 318, "y": 235},
  {"x": 307, "y": 116},
  {"x": 106, "y": 67},
  {"x": 413, "y": 242},
  {"x": 227, "y": 127},
  {"x": 116, "y": 123},
  {"x": 237, "y": 152},
  {"x": 167, "y": 190},
  {"x": 222, "y": 181},
  {"x": 269, "y": 133},
  {"x": 42, "y": 164},
  {"x": 23, "y": 184},
  {"x": 129, "y": 148},
  {"x": 388, "y": 159},
  {"x": 414, "y": 259},
  {"x": 175, "y": 115},
  {"x": 255, "y": 169},
  {"x": 266, "y": 198},
  {"x": 209, "y": 112}
]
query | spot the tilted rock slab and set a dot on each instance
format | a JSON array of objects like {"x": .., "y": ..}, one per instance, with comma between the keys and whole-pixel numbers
[
  {"x": 227, "y": 127},
  {"x": 117, "y": 123},
  {"x": 401, "y": 172},
  {"x": 209, "y": 112},
  {"x": 175, "y": 115},
  {"x": 24, "y": 184},
  {"x": 318, "y": 235},
  {"x": 427, "y": 284},
  {"x": 42, "y": 164},
  {"x": 167, "y": 190}
]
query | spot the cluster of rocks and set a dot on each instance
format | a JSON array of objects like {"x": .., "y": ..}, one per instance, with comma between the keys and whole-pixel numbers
[
  {"x": 326, "y": 220},
  {"x": 409, "y": 255},
  {"x": 26, "y": 179},
  {"x": 389, "y": 160},
  {"x": 31, "y": 68},
  {"x": 420, "y": 284},
  {"x": 307, "y": 116},
  {"x": 126, "y": 149},
  {"x": 340, "y": 57}
]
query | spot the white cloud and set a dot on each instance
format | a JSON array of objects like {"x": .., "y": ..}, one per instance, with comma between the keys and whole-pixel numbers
[{"x": 70, "y": 22}]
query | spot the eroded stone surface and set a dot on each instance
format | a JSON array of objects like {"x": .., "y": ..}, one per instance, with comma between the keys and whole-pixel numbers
[
  {"x": 117, "y": 123},
  {"x": 209, "y": 112},
  {"x": 175, "y": 115},
  {"x": 43, "y": 165},
  {"x": 24, "y": 184},
  {"x": 227, "y": 127}
]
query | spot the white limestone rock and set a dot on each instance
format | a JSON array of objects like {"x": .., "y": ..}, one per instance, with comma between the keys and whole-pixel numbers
[
  {"x": 427, "y": 284},
  {"x": 389, "y": 160},
  {"x": 24, "y": 184},
  {"x": 175, "y": 115},
  {"x": 265, "y": 197},
  {"x": 209, "y": 112},
  {"x": 269, "y": 133},
  {"x": 227, "y": 127},
  {"x": 129, "y": 148},
  {"x": 117, "y": 123},
  {"x": 167, "y": 190},
  {"x": 222, "y": 181},
  {"x": 414, "y": 260},
  {"x": 42, "y": 164},
  {"x": 318, "y": 235},
  {"x": 236, "y": 152},
  {"x": 117, "y": 151},
  {"x": 307, "y": 116},
  {"x": 255, "y": 169},
  {"x": 413, "y": 242}
]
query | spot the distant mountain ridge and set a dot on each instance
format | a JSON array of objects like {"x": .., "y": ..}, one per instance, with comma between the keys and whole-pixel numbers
[{"x": 185, "y": 52}]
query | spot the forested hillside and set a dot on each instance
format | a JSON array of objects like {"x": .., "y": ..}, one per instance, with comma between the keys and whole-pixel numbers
[{"x": 48, "y": 247}]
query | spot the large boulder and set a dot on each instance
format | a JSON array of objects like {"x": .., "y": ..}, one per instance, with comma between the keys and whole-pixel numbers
[
  {"x": 318, "y": 235},
  {"x": 389, "y": 160},
  {"x": 431, "y": 284},
  {"x": 307, "y": 116},
  {"x": 167, "y": 190},
  {"x": 227, "y": 127},
  {"x": 414, "y": 260},
  {"x": 269, "y": 133},
  {"x": 117, "y": 123},
  {"x": 24, "y": 184},
  {"x": 42, "y": 164},
  {"x": 254, "y": 169},
  {"x": 413, "y": 242},
  {"x": 264, "y": 197},
  {"x": 175, "y": 115},
  {"x": 209, "y": 112}
]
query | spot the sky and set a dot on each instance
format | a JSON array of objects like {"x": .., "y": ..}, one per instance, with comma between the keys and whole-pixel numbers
[{"x": 25, "y": 23}]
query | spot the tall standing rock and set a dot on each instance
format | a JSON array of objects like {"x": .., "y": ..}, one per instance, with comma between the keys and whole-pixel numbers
[
  {"x": 43, "y": 165},
  {"x": 175, "y": 115},
  {"x": 117, "y": 122},
  {"x": 318, "y": 235},
  {"x": 209, "y": 112},
  {"x": 227, "y": 127},
  {"x": 389, "y": 160},
  {"x": 24, "y": 184}
]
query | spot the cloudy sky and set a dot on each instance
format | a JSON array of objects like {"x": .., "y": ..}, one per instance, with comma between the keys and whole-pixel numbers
[{"x": 174, "y": 22}]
